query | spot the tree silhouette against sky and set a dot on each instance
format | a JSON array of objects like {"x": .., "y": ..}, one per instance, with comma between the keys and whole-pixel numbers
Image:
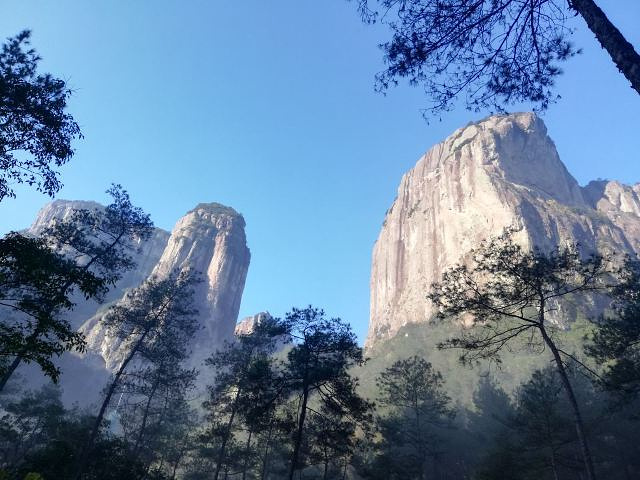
[{"x": 489, "y": 53}]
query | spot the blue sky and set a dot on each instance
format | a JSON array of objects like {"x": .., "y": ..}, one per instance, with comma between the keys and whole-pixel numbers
[{"x": 269, "y": 107}]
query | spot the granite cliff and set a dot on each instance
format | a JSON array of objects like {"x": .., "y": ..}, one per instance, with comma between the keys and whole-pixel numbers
[
  {"x": 209, "y": 239},
  {"x": 503, "y": 171},
  {"x": 146, "y": 255},
  {"x": 248, "y": 324}
]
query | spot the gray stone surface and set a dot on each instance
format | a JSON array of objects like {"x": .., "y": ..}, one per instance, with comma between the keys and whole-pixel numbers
[
  {"x": 209, "y": 240},
  {"x": 146, "y": 255},
  {"x": 503, "y": 171},
  {"x": 247, "y": 324}
]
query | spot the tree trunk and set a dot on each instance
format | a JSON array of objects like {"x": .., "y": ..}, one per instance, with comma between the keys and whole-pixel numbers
[
  {"x": 143, "y": 426},
  {"x": 225, "y": 439},
  {"x": 19, "y": 357},
  {"x": 245, "y": 464},
  {"x": 621, "y": 51},
  {"x": 265, "y": 458},
  {"x": 296, "y": 448},
  {"x": 177, "y": 462},
  {"x": 12, "y": 368},
  {"x": 554, "y": 467},
  {"x": 422, "y": 450},
  {"x": 552, "y": 448},
  {"x": 84, "y": 455},
  {"x": 584, "y": 446},
  {"x": 160, "y": 466},
  {"x": 326, "y": 467}
]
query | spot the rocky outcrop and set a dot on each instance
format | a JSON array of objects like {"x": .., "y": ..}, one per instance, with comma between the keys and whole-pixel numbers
[
  {"x": 248, "y": 324},
  {"x": 59, "y": 210},
  {"x": 210, "y": 240},
  {"x": 145, "y": 254},
  {"x": 503, "y": 171},
  {"x": 620, "y": 204}
]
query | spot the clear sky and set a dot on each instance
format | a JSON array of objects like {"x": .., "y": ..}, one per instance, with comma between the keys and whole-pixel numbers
[{"x": 268, "y": 106}]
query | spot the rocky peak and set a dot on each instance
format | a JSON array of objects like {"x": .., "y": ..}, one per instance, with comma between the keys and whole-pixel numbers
[
  {"x": 216, "y": 209},
  {"x": 516, "y": 149},
  {"x": 59, "y": 210},
  {"x": 209, "y": 240},
  {"x": 503, "y": 171},
  {"x": 248, "y": 324},
  {"x": 610, "y": 195}
]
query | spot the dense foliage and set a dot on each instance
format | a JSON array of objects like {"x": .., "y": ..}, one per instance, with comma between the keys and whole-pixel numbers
[
  {"x": 250, "y": 422},
  {"x": 489, "y": 53},
  {"x": 36, "y": 130}
]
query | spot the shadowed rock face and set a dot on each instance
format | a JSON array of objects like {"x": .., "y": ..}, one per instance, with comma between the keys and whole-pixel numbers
[
  {"x": 146, "y": 256},
  {"x": 210, "y": 240},
  {"x": 501, "y": 172}
]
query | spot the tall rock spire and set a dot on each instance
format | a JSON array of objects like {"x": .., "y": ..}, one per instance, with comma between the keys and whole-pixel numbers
[{"x": 209, "y": 240}]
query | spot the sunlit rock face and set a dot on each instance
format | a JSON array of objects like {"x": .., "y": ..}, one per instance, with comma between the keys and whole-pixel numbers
[
  {"x": 248, "y": 324},
  {"x": 59, "y": 210},
  {"x": 209, "y": 240},
  {"x": 503, "y": 171}
]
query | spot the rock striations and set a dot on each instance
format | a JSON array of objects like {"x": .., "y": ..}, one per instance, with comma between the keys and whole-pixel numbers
[
  {"x": 503, "y": 171},
  {"x": 209, "y": 239}
]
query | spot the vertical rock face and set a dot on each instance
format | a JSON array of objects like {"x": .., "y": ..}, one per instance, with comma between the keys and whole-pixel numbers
[
  {"x": 501, "y": 172},
  {"x": 210, "y": 240}
]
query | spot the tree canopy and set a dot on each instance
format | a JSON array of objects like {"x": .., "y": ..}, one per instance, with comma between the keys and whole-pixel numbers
[
  {"x": 488, "y": 53},
  {"x": 36, "y": 131},
  {"x": 510, "y": 294},
  {"x": 616, "y": 341},
  {"x": 318, "y": 367}
]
